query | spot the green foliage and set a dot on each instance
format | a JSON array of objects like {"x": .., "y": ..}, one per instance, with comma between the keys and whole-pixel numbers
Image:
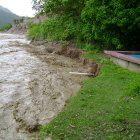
[
  {"x": 21, "y": 19},
  {"x": 18, "y": 21},
  {"x": 35, "y": 31},
  {"x": 6, "y": 27},
  {"x": 59, "y": 28},
  {"x": 64, "y": 43},
  {"x": 114, "y": 24},
  {"x": 91, "y": 48},
  {"x": 46, "y": 129},
  {"x": 38, "y": 5},
  {"x": 64, "y": 7},
  {"x": 133, "y": 89},
  {"x": 88, "y": 47},
  {"x": 30, "y": 24}
]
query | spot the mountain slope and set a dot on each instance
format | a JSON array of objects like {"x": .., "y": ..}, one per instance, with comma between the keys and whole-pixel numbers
[
  {"x": 6, "y": 16},
  {"x": 5, "y": 9}
]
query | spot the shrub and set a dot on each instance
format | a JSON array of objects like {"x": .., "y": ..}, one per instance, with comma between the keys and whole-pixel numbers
[
  {"x": 35, "y": 31},
  {"x": 16, "y": 21},
  {"x": 30, "y": 24},
  {"x": 6, "y": 27},
  {"x": 58, "y": 28},
  {"x": 134, "y": 89},
  {"x": 113, "y": 23}
]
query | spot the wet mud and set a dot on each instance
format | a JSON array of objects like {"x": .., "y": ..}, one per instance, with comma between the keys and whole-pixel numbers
[{"x": 34, "y": 85}]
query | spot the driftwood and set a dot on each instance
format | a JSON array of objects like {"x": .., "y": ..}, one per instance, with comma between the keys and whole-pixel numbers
[
  {"x": 87, "y": 67},
  {"x": 81, "y": 73}
]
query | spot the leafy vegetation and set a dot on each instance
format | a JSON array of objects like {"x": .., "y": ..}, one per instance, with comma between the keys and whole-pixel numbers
[
  {"x": 103, "y": 109},
  {"x": 18, "y": 21},
  {"x": 36, "y": 31},
  {"x": 113, "y": 24},
  {"x": 6, "y": 27},
  {"x": 134, "y": 88}
]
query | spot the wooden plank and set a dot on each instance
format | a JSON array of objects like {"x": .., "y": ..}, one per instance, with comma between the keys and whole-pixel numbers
[{"x": 80, "y": 73}]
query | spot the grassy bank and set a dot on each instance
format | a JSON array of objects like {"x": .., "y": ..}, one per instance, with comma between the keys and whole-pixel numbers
[
  {"x": 6, "y": 27},
  {"x": 107, "y": 108}
]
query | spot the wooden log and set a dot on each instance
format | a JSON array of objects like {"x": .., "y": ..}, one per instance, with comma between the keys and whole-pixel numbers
[{"x": 80, "y": 73}]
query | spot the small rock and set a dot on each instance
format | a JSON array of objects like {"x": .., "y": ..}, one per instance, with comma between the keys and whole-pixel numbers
[{"x": 83, "y": 99}]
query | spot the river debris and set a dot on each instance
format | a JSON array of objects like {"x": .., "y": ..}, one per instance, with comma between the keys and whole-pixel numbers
[{"x": 80, "y": 73}]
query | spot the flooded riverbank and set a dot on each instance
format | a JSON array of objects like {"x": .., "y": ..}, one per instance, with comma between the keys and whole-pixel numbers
[{"x": 34, "y": 86}]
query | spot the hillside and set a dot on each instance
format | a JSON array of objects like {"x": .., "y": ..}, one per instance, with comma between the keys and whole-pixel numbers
[{"x": 6, "y": 16}]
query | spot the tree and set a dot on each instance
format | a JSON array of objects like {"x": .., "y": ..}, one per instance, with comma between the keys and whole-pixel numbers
[
  {"x": 16, "y": 21},
  {"x": 38, "y": 5},
  {"x": 113, "y": 23}
]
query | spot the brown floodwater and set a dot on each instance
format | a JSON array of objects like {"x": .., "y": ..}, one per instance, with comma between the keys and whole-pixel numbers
[{"x": 34, "y": 85}]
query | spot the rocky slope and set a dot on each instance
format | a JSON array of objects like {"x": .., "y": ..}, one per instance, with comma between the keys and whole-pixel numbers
[{"x": 23, "y": 27}]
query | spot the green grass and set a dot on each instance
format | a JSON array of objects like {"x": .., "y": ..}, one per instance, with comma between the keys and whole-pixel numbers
[
  {"x": 107, "y": 108},
  {"x": 6, "y": 27}
]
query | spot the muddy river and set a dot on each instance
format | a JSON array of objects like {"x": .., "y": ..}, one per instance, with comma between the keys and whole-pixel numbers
[{"x": 34, "y": 86}]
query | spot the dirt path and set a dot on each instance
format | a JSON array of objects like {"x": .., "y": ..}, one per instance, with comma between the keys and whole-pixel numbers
[{"x": 34, "y": 86}]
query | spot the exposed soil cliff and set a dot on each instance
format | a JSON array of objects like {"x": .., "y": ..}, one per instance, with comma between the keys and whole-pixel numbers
[{"x": 22, "y": 28}]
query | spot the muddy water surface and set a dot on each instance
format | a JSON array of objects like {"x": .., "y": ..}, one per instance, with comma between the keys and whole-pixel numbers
[{"x": 34, "y": 86}]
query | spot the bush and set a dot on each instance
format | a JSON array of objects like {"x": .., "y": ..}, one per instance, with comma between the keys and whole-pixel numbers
[
  {"x": 30, "y": 24},
  {"x": 113, "y": 23},
  {"x": 16, "y": 21},
  {"x": 6, "y": 27},
  {"x": 58, "y": 28},
  {"x": 35, "y": 31},
  {"x": 134, "y": 89}
]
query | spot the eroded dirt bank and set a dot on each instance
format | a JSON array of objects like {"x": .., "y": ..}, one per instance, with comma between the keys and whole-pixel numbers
[{"x": 34, "y": 85}]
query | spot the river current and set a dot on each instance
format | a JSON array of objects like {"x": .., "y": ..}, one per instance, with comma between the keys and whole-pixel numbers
[{"x": 34, "y": 86}]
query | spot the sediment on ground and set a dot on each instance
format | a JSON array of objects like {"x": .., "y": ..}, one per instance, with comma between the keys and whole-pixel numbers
[
  {"x": 38, "y": 77},
  {"x": 35, "y": 85}
]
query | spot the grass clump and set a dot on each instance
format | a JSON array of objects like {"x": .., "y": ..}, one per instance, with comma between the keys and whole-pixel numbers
[
  {"x": 134, "y": 88},
  {"x": 6, "y": 27},
  {"x": 103, "y": 109}
]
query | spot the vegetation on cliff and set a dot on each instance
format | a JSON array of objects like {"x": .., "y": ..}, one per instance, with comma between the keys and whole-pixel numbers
[
  {"x": 6, "y": 27},
  {"x": 112, "y": 24}
]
